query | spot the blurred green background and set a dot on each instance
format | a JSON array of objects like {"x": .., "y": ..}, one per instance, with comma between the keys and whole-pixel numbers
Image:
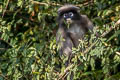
[{"x": 28, "y": 48}]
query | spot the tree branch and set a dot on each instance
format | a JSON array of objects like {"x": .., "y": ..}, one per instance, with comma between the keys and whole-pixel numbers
[
  {"x": 111, "y": 28},
  {"x": 62, "y": 75},
  {"x": 5, "y": 8},
  {"x": 56, "y": 4},
  {"x": 46, "y": 4},
  {"x": 103, "y": 35}
]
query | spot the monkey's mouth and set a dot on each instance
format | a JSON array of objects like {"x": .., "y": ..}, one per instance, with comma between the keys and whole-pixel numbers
[{"x": 68, "y": 20}]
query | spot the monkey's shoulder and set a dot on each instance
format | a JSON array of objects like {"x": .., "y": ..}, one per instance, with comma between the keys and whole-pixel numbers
[
  {"x": 84, "y": 17},
  {"x": 86, "y": 22}
]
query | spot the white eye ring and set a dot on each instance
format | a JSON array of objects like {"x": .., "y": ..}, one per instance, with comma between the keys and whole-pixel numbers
[
  {"x": 65, "y": 15},
  {"x": 71, "y": 14}
]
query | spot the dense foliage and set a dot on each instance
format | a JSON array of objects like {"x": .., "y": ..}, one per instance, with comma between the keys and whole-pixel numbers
[{"x": 28, "y": 48}]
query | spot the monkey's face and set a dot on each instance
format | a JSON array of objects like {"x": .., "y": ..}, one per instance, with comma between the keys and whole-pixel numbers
[{"x": 68, "y": 17}]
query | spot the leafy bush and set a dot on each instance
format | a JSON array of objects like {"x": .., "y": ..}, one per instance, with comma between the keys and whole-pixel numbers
[{"x": 28, "y": 46}]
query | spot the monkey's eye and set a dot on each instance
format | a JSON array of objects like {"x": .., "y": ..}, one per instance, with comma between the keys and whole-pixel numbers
[
  {"x": 65, "y": 15},
  {"x": 71, "y": 14}
]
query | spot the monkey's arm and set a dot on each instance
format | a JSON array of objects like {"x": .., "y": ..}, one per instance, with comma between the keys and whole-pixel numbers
[
  {"x": 88, "y": 24},
  {"x": 64, "y": 42},
  {"x": 60, "y": 34}
]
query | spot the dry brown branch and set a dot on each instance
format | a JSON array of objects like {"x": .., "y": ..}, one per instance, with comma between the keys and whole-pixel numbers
[
  {"x": 90, "y": 2},
  {"x": 64, "y": 74},
  {"x": 56, "y": 4},
  {"x": 46, "y": 4}
]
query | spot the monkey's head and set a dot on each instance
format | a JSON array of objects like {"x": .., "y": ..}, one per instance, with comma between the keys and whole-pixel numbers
[{"x": 68, "y": 14}]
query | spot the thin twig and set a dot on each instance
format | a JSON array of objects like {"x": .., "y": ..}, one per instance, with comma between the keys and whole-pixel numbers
[
  {"x": 3, "y": 48},
  {"x": 5, "y": 42},
  {"x": 3, "y": 76},
  {"x": 89, "y": 48},
  {"x": 46, "y": 4},
  {"x": 111, "y": 28},
  {"x": 5, "y": 9},
  {"x": 91, "y": 2},
  {"x": 103, "y": 35},
  {"x": 65, "y": 71},
  {"x": 56, "y": 4}
]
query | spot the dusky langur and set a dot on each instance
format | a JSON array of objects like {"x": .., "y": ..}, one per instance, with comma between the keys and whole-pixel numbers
[{"x": 72, "y": 27}]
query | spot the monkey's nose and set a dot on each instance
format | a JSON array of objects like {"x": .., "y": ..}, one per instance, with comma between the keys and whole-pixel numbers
[{"x": 69, "y": 20}]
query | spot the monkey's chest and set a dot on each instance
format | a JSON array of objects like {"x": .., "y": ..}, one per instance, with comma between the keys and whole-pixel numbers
[{"x": 78, "y": 31}]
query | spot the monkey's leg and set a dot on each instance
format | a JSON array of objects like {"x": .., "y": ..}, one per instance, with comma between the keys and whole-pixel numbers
[
  {"x": 68, "y": 49},
  {"x": 74, "y": 39}
]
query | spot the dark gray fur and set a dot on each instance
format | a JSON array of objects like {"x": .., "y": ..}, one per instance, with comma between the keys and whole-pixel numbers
[{"x": 68, "y": 38}]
